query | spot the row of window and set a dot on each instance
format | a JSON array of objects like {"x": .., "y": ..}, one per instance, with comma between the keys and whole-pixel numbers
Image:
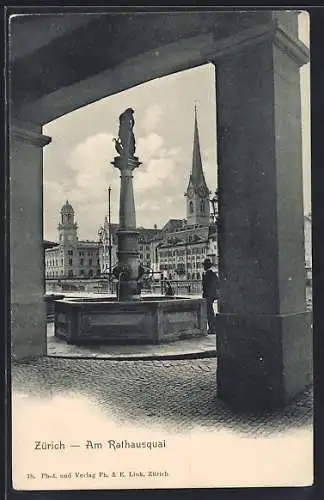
[
  {"x": 82, "y": 253},
  {"x": 193, "y": 276},
  {"x": 51, "y": 263},
  {"x": 180, "y": 267},
  {"x": 172, "y": 253},
  {"x": 56, "y": 274},
  {"x": 182, "y": 258},
  {"x": 90, "y": 262},
  {"x": 202, "y": 207},
  {"x": 148, "y": 256}
]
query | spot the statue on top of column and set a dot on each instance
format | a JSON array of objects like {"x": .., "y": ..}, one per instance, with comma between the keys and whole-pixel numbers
[{"x": 125, "y": 143}]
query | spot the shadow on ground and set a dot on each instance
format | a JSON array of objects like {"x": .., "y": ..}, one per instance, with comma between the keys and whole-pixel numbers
[{"x": 180, "y": 394}]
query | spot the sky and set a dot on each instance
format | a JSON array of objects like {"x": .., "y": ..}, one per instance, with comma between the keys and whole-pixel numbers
[{"x": 77, "y": 162}]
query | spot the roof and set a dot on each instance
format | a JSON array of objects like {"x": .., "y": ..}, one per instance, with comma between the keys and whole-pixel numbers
[
  {"x": 181, "y": 237},
  {"x": 172, "y": 224},
  {"x": 49, "y": 244},
  {"x": 67, "y": 208},
  {"x": 147, "y": 234},
  {"x": 87, "y": 243}
]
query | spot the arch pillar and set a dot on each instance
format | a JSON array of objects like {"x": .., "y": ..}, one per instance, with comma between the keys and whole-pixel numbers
[
  {"x": 28, "y": 310},
  {"x": 264, "y": 337}
]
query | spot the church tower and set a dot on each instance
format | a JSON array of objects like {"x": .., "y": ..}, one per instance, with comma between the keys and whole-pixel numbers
[
  {"x": 67, "y": 228},
  {"x": 197, "y": 194}
]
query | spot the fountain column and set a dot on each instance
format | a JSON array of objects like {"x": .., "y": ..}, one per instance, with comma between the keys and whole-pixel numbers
[
  {"x": 128, "y": 256},
  {"x": 127, "y": 270}
]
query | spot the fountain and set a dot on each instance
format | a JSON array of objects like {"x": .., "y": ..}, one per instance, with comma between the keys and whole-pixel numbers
[{"x": 129, "y": 318}]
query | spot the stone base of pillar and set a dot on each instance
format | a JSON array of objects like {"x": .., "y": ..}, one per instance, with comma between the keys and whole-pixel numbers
[
  {"x": 28, "y": 330},
  {"x": 128, "y": 291},
  {"x": 264, "y": 361}
]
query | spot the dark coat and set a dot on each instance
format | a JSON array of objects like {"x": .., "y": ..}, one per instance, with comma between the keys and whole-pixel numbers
[{"x": 210, "y": 285}]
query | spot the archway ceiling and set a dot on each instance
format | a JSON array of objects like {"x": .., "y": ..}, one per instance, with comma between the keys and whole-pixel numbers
[{"x": 72, "y": 48}]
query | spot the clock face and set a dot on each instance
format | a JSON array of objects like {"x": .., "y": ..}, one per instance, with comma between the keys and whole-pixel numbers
[
  {"x": 190, "y": 192},
  {"x": 202, "y": 191}
]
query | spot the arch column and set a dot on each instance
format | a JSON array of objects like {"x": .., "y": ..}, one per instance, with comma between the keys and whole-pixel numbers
[
  {"x": 28, "y": 311},
  {"x": 264, "y": 337}
]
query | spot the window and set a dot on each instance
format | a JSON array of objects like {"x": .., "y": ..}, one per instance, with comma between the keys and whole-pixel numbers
[
  {"x": 70, "y": 273},
  {"x": 202, "y": 207},
  {"x": 90, "y": 262},
  {"x": 81, "y": 272},
  {"x": 81, "y": 262},
  {"x": 70, "y": 252},
  {"x": 70, "y": 261},
  {"x": 90, "y": 273},
  {"x": 190, "y": 207}
]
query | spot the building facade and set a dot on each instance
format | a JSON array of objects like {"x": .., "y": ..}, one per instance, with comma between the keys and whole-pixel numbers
[
  {"x": 181, "y": 254},
  {"x": 71, "y": 258},
  {"x": 108, "y": 246}
]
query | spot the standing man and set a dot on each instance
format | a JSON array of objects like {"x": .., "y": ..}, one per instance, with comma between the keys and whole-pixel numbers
[{"x": 210, "y": 289}]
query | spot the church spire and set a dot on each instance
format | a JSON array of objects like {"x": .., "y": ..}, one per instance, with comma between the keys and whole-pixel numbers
[
  {"x": 197, "y": 174},
  {"x": 197, "y": 193}
]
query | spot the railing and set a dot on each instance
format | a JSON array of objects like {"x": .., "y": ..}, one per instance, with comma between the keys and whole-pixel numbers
[
  {"x": 96, "y": 285},
  {"x": 180, "y": 287}
]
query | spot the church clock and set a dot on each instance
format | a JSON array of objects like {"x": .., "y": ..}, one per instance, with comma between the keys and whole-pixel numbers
[
  {"x": 190, "y": 192},
  {"x": 202, "y": 191}
]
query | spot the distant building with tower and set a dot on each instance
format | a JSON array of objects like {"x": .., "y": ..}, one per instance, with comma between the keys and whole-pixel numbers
[
  {"x": 185, "y": 243},
  {"x": 71, "y": 258}
]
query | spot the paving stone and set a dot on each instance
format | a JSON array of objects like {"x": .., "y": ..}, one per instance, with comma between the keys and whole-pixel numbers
[{"x": 178, "y": 393}]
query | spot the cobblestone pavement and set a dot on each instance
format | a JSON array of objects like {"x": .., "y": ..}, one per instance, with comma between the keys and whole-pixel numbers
[{"x": 177, "y": 393}]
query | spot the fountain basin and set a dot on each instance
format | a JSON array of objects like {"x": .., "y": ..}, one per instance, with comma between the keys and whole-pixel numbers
[{"x": 151, "y": 320}]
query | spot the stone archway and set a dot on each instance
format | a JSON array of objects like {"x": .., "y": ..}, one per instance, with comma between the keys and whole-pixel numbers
[{"x": 263, "y": 330}]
